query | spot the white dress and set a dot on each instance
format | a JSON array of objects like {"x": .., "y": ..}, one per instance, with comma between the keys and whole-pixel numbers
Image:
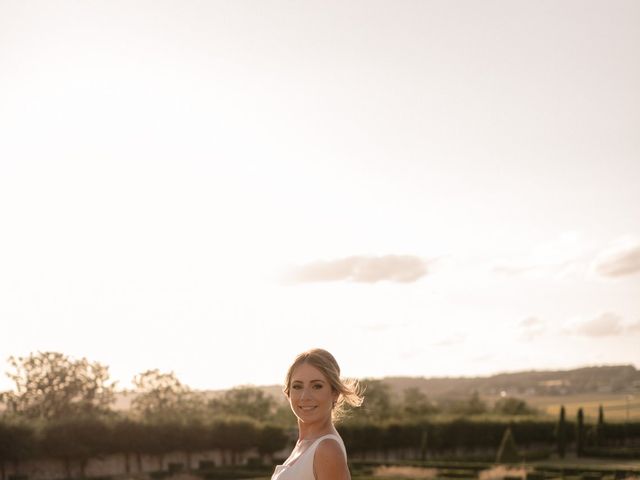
[{"x": 302, "y": 467}]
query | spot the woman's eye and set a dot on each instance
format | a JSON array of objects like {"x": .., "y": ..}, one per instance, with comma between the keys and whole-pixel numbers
[{"x": 317, "y": 386}]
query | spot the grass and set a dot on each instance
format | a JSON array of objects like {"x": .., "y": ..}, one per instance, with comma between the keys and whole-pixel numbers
[{"x": 570, "y": 468}]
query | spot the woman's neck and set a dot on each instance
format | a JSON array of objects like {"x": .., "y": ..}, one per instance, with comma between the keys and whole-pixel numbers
[{"x": 312, "y": 432}]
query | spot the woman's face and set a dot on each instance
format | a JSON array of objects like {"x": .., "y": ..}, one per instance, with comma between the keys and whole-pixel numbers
[{"x": 310, "y": 394}]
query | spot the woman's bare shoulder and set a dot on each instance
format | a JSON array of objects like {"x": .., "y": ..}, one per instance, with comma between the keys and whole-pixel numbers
[{"x": 329, "y": 462}]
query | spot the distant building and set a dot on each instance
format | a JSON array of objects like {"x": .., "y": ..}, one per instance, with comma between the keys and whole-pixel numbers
[{"x": 555, "y": 387}]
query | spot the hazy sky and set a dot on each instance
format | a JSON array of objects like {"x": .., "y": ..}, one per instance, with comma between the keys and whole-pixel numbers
[{"x": 421, "y": 187}]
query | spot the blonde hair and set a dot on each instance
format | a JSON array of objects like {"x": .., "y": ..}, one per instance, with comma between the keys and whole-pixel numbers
[{"x": 350, "y": 391}]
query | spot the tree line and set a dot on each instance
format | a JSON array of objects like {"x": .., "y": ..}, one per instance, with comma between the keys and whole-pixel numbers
[
  {"x": 63, "y": 408},
  {"x": 52, "y": 385}
]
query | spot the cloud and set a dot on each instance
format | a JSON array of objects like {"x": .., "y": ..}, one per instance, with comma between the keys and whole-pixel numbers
[
  {"x": 561, "y": 257},
  {"x": 362, "y": 269},
  {"x": 605, "y": 325},
  {"x": 530, "y": 322},
  {"x": 383, "y": 326},
  {"x": 513, "y": 269},
  {"x": 454, "y": 339},
  {"x": 622, "y": 258},
  {"x": 531, "y": 327},
  {"x": 634, "y": 327}
]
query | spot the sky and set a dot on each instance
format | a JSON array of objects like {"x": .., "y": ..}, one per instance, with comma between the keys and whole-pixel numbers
[{"x": 424, "y": 188}]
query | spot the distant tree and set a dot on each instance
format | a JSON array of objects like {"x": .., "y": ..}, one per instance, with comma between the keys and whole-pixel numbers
[
  {"x": 130, "y": 438},
  {"x": 246, "y": 401},
  {"x": 473, "y": 405},
  {"x": 283, "y": 416},
  {"x": 416, "y": 404},
  {"x": 52, "y": 385},
  {"x": 561, "y": 433},
  {"x": 580, "y": 433},
  {"x": 378, "y": 404},
  {"x": 17, "y": 442},
  {"x": 424, "y": 443},
  {"x": 75, "y": 439},
  {"x": 163, "y": 436},
  {"x": 600, "y": 426},
  {"x": 600, "y": 415},
  {"x": 194, "y": 437},
  {"x": 234, "y": 436},
  {"x": 512, "y": 406},
  {"x": 507, "y": 452},
  {"x": 162, "y": 397},
  {"x": 271, "y": 438}
]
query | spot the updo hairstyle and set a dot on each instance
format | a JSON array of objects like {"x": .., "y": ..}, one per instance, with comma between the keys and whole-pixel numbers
[{"x": 350, "y": 391}]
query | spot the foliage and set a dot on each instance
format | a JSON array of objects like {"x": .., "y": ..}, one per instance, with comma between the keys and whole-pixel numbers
[
  {"x": 442, "y": 436},
  {"x": 17, "y": 442},
  {"x": 507, "y": 452},
  {"x": 416, "y": 404},
  {"x": 473, "y": 405},
  {"x": 271, "y": 438},
  {"x": 51, "y": 385},
  {"x": 283, "y": 416},
  {"x": 234, "y": 435},
  {"x": 250, "y": 402},
  {"x": 561, "y": 433},
  {"x": 75, "y": 439},
  {"x": 128, "y": 436},
  {"x": 161, "y": 396},
  {"x": 512, "y": 406},
  {"x": 580, "y": 437},
  {"x": 378, "y": 403}
]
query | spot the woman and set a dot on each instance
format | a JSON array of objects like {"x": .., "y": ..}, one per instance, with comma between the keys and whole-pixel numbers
[{"x": 317, "y": 397}]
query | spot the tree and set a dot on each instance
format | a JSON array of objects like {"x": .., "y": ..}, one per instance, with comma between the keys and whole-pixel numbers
[
  {"x": 246, "y": 401},
  {"x": 75, "y": 439},
  {"x": 580, "y": 433},
  {"x": 377, "y": 403},
  {"x": 473, "y": 405},
  {"x": 512, "y": 406},
  {"x": 561, "y": 433},
  {"x": 16, "y": 443},
  {"x": 600, "y": 427},
  {"x": 416, "y": 404},
  {"x": 507, "y": 452},
  {"x": 52, "y": 385},
  {"x": 283, "y": 416},
  {"x": 164, "y": 436},
  {"x": 271, "y": 438},
  {"x": 130, "y": 438},
  {"x": 234, "y": 436},
  {"x": 194, "y": 438},
  {"x": 161, "y": 396}
]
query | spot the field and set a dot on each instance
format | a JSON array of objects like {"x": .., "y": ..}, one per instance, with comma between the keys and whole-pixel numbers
[{"x": 617, "y": 406}]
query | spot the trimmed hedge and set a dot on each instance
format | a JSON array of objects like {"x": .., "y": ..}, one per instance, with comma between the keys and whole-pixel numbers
[
  {"x": 76, "y": 439},
  {"x": 461, "y": 433}
]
